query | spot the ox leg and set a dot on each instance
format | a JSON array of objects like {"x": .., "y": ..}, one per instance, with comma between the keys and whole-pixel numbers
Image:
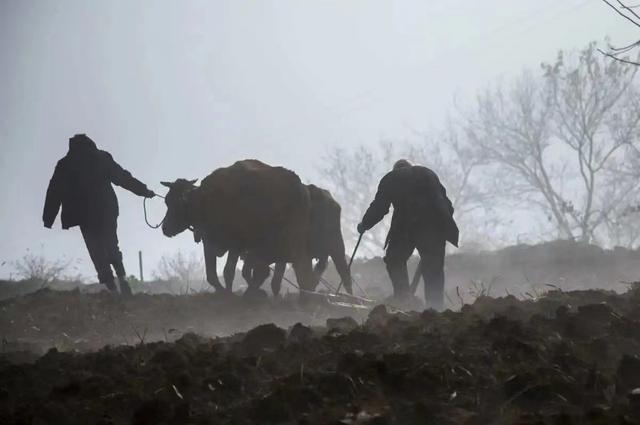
[
  {"x": 211, "y": 265},
  {"x": 304, "y": 273},
  {"x": 260, "y": 273},
  {"x": 230, "y": 269},
  {"x": 319, "y": 269},
  {"x": 247, "y": 272},
  {"x": 276, "y": 281},
  {"x": 340, "y": 262},
  {"x": 253, "y": 271}
]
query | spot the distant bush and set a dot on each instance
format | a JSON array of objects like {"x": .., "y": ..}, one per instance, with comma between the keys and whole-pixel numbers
[
  {"x": 179, "y": 268},
  {"x": 35, "y": 267}
]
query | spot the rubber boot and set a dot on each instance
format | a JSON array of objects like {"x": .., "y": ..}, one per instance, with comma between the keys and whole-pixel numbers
[
  {"x": 125, "y": 289},
  {"x": 111, "y": 285},
  {"x": 399, "y": 277}
]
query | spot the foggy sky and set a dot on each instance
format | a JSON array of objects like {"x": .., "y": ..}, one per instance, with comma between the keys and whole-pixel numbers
[{"x": 177, "y": 89}]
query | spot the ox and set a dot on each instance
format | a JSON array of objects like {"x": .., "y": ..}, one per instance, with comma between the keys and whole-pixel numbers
[{"x": 248, "y": 206}]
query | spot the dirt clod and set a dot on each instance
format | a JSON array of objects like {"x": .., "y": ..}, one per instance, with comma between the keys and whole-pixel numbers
[
  {"x": 264, "y": 337},
  {"x": 341, "y": 325}
]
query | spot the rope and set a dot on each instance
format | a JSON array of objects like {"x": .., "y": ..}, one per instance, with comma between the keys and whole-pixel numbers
[
  {"x": 326, "y": 283},
  {"x": 286, "y": 280},
  {"x": 360, "y": 287},
  {"x": 144, "y": 208}
]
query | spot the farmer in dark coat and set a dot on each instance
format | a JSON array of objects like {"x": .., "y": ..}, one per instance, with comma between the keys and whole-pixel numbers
[
  {"x": 422, "y": 219},
  {"x": 81, "y": 184}
]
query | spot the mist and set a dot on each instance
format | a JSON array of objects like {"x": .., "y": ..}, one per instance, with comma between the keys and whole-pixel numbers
[
  {"x": 179, "y": 89},
  {"x": 505, "y": 136}
]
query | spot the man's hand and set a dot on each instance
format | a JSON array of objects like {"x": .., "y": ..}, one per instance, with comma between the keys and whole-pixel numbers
[
  {"x": 361, "y": 228},
  {"x": 149, "y": 194}
]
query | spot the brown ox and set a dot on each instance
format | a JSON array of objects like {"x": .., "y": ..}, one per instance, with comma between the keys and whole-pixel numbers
[{"x": 248, "y": 206}]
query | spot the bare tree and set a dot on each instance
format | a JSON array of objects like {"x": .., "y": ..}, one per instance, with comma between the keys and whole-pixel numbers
[
  {"x": 620, "y": 53},
  {"x": 598, "y": 118},
  {"x": 561, "y": 145},
  {"x": 556, "y": 142},
  {"x": 353, "y": 175},
  {"x": 510, "y": 130},
  {"x": 624, "y": 229},
  {"x": 181, "y": 268}
]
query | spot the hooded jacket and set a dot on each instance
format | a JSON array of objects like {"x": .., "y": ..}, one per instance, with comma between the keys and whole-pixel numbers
[{"x": 82, "y": 186}]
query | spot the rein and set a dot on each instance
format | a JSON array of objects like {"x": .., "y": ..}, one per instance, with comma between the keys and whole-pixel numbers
[{"x": 146, "y": 219}]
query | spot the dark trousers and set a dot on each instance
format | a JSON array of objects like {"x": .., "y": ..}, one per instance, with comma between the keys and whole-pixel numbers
[
  {"x": 431, "y": 247},
  {"x": 101, "y": 239}
]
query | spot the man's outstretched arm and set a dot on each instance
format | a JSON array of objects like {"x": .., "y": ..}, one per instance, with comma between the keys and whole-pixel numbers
[
  {"x": 378, "y": 208},
  {"x": 123, "y": 178}
]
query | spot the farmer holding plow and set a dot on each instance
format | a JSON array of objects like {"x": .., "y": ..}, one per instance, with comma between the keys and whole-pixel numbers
[{"x": 422, "y": 219}]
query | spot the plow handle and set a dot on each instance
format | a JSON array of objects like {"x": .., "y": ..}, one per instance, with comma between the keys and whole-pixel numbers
[{"x": 351, "y": 260}]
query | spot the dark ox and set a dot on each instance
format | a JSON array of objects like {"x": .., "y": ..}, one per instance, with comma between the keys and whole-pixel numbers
[
  {"x": 246, "y": 207},
  {"x": 325, "y": 241}
]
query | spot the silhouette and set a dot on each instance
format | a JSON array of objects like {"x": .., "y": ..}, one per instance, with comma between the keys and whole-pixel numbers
[
  {"x": 82, "y": 186},
  {"x": 246, "y": 207},
  {"x": 422, "y": 219},
  {"x": 325, "y": 239}
]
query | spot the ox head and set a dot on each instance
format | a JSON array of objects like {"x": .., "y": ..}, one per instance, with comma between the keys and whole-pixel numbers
[{"x": 178, "y": 218}]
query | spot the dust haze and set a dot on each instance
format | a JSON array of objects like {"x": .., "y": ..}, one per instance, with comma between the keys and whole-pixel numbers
[
  {"x": 527, "y": 112},
  {"x": 179, "y": 90}
]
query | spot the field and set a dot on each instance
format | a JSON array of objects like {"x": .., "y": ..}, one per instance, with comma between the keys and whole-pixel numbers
[{"x": 556, "y": 356}]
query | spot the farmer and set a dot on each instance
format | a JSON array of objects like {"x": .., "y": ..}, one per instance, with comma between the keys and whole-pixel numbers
[
  {"x": 81, "y": 184},
  {"x": 422, "y": 219}
]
